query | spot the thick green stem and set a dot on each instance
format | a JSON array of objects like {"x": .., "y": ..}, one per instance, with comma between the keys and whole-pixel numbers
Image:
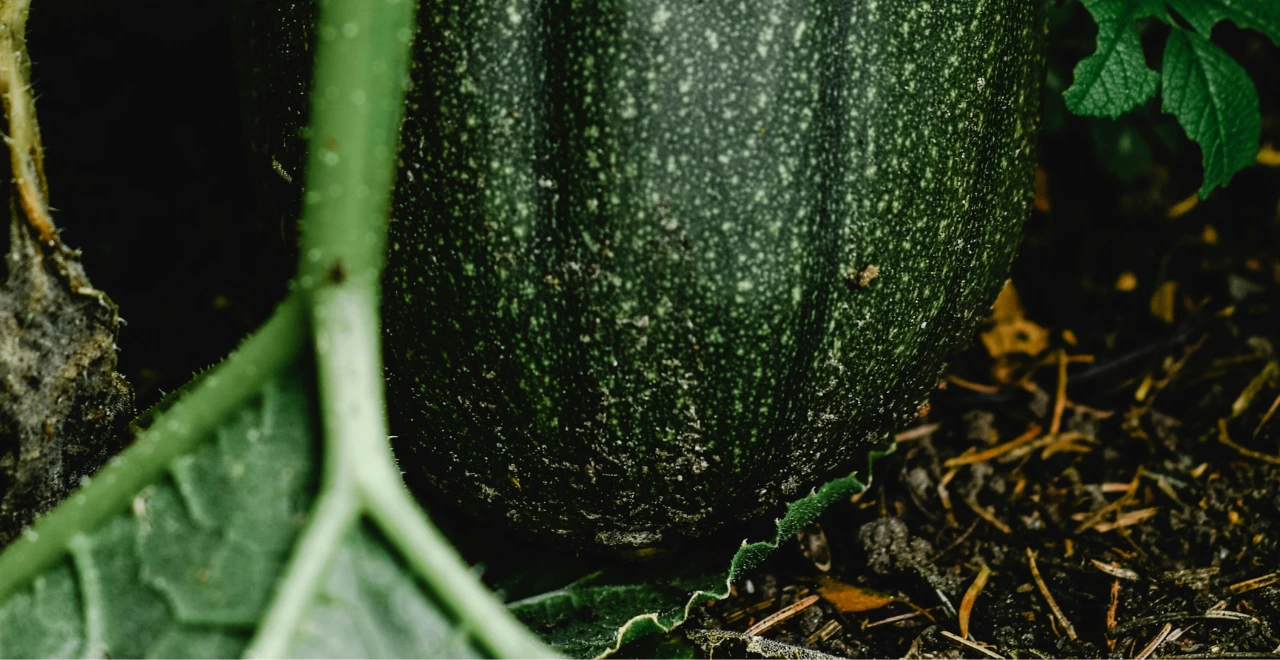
[
  {"x": 357, "y": 104},
  {"x": 331, "y": 519}
]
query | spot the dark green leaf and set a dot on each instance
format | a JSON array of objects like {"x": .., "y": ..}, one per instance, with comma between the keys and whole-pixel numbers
[
  {"x": 1115, "y": 78},
  {"x": 1260, "y": 15},
  {"x": 1215, "y": 102}
]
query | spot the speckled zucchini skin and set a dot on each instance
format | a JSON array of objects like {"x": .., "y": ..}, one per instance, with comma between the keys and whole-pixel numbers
[{"x": 630, "y": 292}]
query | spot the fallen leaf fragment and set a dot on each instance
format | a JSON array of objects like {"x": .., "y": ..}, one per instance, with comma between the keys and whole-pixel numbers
[
  {"x": 849, "y": 598},
  {"x": 1012, "y": 332}
]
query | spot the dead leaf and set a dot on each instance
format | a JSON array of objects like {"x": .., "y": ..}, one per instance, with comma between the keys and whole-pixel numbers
[
  {"x": 849, "y": 598},
  {"x": 1162, "y": 301},
  {"x": 1012, "y": 332}
]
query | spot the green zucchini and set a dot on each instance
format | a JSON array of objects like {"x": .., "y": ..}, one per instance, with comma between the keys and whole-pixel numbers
[{"x": 656, "y": 266}]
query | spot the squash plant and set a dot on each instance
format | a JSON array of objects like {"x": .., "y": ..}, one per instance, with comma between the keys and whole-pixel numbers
[{"x": 261, "y": 512}]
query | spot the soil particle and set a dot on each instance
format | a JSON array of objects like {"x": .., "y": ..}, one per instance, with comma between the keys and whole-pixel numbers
[{"x": 62, "y": 404}]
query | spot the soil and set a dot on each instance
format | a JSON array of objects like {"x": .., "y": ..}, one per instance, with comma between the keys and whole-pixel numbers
[{"x": 1116, "y": 480}]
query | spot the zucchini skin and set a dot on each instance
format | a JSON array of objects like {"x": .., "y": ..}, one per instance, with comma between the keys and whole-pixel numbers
[{"x": 630, "y": 294}]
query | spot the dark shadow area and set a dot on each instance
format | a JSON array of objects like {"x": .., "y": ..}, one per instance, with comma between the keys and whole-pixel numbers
[{"x": 140, "y": 115}]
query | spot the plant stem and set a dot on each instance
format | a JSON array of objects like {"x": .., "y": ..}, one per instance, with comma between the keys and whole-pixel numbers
[
  {"x": 176, "y": 432},
  {"x": 488, "y": 622},
  {"x": 332, "y": 517},
  {"x": 361, "y": 77}
]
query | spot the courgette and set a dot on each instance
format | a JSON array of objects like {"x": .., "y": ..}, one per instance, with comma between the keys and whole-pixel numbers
[{"x": 656, "y": 266}]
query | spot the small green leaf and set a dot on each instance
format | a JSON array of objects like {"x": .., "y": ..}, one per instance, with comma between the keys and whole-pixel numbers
[
  {"x": 1260, "y": 15},
  {"x": 1215, "y": 102},
  {"x": 600, "y": 614},
  {"x": 1115, "y": 78}
]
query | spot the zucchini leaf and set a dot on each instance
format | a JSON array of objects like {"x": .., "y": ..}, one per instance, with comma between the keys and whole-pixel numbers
[
  {"x": 1216, "y": 104},
  {"x": 262, "y": 513},
  {"x": 1209, "y": 93},
  {"x": 1260, "y": 15},
  {"x": 604, "y": 613},
  {"x": 1115, "y": 78}
]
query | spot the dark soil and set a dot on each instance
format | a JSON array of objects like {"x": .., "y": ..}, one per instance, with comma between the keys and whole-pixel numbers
[{"x": 1156, "y": 529}]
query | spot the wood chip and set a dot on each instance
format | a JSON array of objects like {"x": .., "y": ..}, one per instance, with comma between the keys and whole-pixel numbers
[
  {"x": 922, "y": 431},
  {"x": 977, "y": 647},
  {"x": 1266, "y": 375},
  {"x": 1269, "y": 156},
  {"x": 768, "y": 623},
  {"x": 1255, "y": 583},
  {"x": 1126, "y": 519},
  {"x": 1114, "y": 571},
  {"x": 827, "y": 631},
  {"x": 1155, "y": 642}
]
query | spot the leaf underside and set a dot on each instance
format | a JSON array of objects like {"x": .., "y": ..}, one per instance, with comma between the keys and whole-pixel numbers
[{"x": 190, "y": 568}]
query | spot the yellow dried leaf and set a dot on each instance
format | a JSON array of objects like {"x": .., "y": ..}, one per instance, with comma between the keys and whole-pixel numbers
[
  {"x": 850, "y": 598},
  {"x": 1012, "y": 332},
  {"x": 1162, "y": 301}
]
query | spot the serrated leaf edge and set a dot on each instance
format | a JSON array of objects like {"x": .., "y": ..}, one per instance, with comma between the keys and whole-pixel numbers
[{"x": 799, "y": 514}]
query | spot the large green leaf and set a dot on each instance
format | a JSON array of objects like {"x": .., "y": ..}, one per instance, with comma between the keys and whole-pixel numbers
[
  {"x": 189, "y": 567},
  {"x": 1115, "y": 78},
  {"x": 1215, "y": 102}
]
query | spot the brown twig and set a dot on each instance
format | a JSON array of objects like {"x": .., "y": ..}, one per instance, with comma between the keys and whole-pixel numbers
[
  {"x": 767, "y": 623},
  {"x": 987, "y": 515},
  {"x": 1225, "y": 439},
  {"x": 1255, "y": 583},
  {"x": 1048, "y": 597},
  {"x": 1114, "y": 571},
  {"x": 972, "y": 386},
  {"x": 1029, "y": 435},
  {"x": 1097, "y": 516},
  {"x": 977, "y": 647},
  {"x": 1111, "y": 614},
  {"x": 895, "y": 619},
  {"x": 1155, "y": 642},
  {"x": 971, "y": 596},
  {"x": 1126, "y": 519},
  {"x": 917, "y": 432},
  {"x": 827, "y": 631},
  {"x": 1060, "y": 399},
  {"x": 1267, "y": 417}
]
